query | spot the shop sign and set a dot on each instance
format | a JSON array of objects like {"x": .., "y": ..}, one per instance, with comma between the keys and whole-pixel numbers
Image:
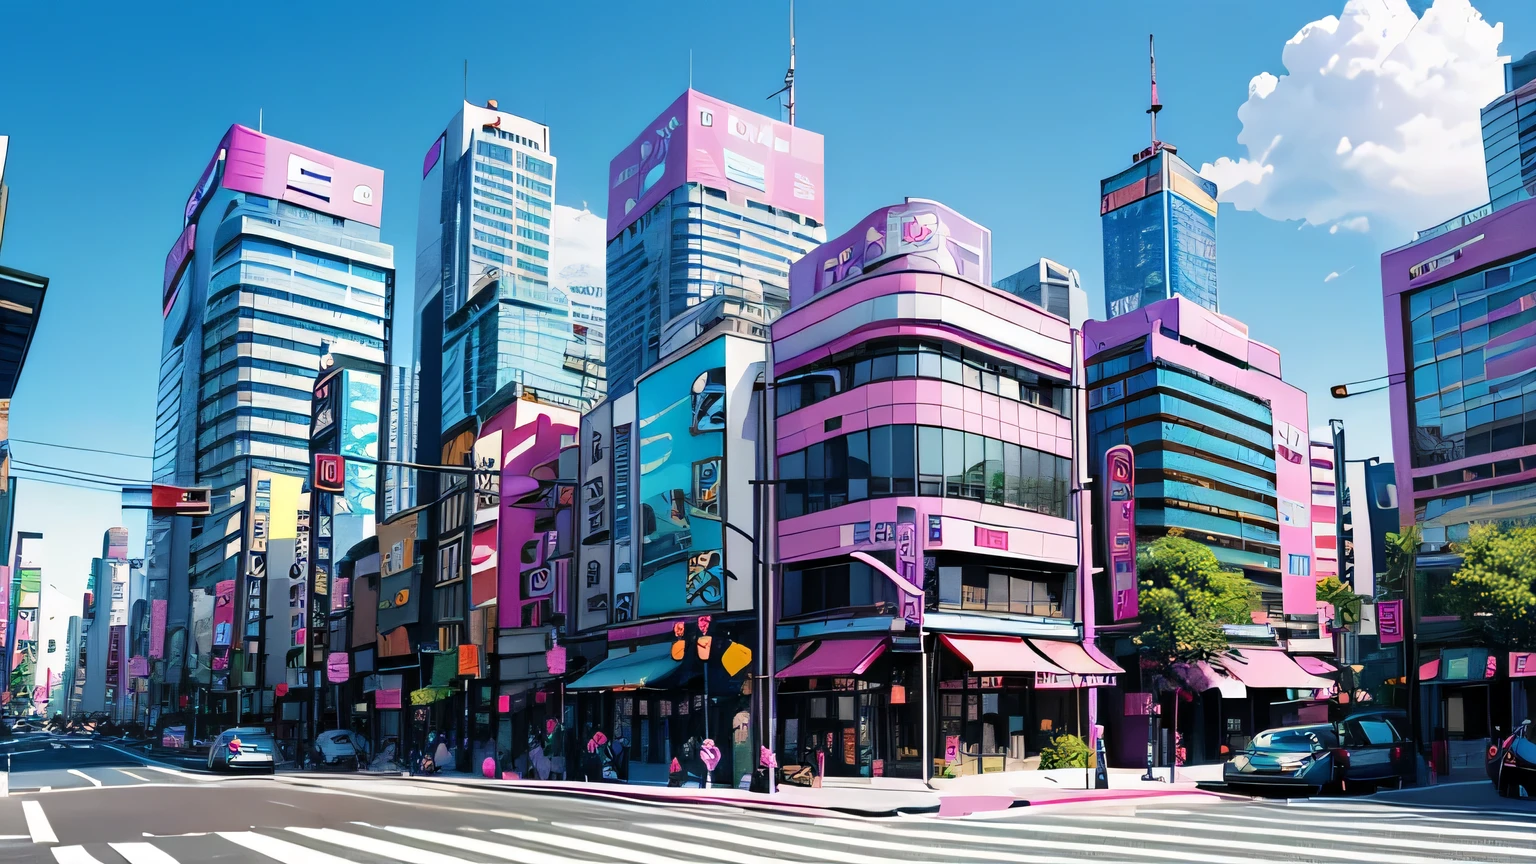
[
  {"x": 951, "y": 749},
  {"x": 1522, "y": 664},
  {"x": 1068, "y": 681},
  {"x": 1389, "y": 621}
]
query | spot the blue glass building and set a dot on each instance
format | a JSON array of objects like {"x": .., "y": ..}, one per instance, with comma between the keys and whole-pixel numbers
[{"x": 1159, "y": 220}]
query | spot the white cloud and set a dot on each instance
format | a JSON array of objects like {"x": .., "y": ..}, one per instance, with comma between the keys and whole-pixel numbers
[
  {"x": 1354, "y": 223},
  {"x": 580, "y": 252},
  {"x": 1331, "y": 276},
  {"x": 1377, "y": 114}
]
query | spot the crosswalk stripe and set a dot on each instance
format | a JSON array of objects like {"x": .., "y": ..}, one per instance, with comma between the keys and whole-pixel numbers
[
  {"x": 1364, "y": 839},
  {"x": 1223, "y": 843},
  {"x": 1401, "y": 826},
  {"x": 714, "y": 853},
  {"x": 182, "y": 774},
  {"x": 396, "y": 851},
  {"x": 73, "y": 855},
  {"x": 872, "y": 843},
  {"x": 134, "y": 776},
  {"x": 519, "y": 853},
  {"x": 279, "y": 850},
  {"x": 37, "y": 823},
  {"x": 142, "y": 853},
  {"x": 88, "y": 778}
]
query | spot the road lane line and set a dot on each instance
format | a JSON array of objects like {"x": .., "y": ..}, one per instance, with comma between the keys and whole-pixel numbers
[
  {"x": 133, "y": 775},
  {"x": 37, "y": 823},
  {"x": 396, "y": 851},
  {"x": 142, "y": 853},
  {"x": 182, "y": 774},
  {"x": 668, "y": 844},
  {"x": 524, "y": 854},
  {"x": 78, "y": 773},
  {"x": 1453, "y": 830},
  {"x": 865, "y": 842},
  {"x": 279, "y": 850},
  {"x": 73, "y": 855}
]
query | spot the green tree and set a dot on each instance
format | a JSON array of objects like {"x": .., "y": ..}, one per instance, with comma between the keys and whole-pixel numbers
[
  {"x": 1185, "y": 598},
  {"x": 1495, "y": 590},
  {"x": 1346, "y": 603},
  {"x": 1402, "y": 553}
]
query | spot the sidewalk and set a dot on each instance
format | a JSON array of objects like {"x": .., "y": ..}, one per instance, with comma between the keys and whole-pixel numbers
[{"x": 883, "y": 796}]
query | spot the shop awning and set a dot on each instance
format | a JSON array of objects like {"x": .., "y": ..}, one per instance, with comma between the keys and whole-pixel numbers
[
  {"x": 1316, "y": 665},
  {"x": 646, "y": 666},
  {"x": 835, "y": 657},
  {"x": 1215, "y": 679},
  {"x": 1271, "y": 668},
  {"x": 1075, "y": 658},
  {"x": 999, "y": 655}
]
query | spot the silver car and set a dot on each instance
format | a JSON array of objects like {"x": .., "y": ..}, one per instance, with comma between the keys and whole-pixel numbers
[{"x": 243, "y": 748}]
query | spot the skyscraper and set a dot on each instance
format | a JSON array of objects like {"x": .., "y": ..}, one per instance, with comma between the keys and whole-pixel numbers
[
  {"x": 277, "y": 260},
  {"x": 490, "y": 327},
  {"x": 1159, "y": 219},
  {"x": 580, "y": 273},
  {"x": 707, "y": 208}
]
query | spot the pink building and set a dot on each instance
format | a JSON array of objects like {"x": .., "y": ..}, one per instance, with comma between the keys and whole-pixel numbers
[
  {"x": 929, "y": 509},
  {"x": 1325, "y": 502}
]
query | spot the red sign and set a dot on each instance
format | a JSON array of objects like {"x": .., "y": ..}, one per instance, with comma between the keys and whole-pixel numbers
[
  {"x": 179, "y": 500},
  {"x": 991, "y": 538},
  {"x": 554, "y": 658},
  {"x": 330, "y": 473},
  {"x": 1522, "y": 664}
]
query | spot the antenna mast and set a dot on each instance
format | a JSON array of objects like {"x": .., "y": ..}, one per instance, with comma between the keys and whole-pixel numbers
[
  {"x": 1156, "y": 105},
  {"x": 789, "y": 77}
]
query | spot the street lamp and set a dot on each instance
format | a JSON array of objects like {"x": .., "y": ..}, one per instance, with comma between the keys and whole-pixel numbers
[{"x": 1343, "y": 391}]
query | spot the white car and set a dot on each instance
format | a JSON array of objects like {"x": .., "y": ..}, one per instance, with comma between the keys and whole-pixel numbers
[
  {"x": 245, "y": 747},
  {"x": 338, "y": 747}
]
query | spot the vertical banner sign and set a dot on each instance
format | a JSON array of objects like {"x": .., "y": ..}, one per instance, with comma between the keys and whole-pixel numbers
[
  {"x": 906, "y": 564},
  {"x": 1120, "y": 528},
  {"x": 1389, "y": 621},
  {"x": 157, "y": 610},
  {"x": 223, "y": 613},
  {"x": 320, "y": 573},
  {"x": 256, "y": 554}
]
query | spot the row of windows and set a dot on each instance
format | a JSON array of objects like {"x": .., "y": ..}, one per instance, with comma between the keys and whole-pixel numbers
[
  {"x": 1485, "y": 471},
  {"x": 229, "y": 406},
  {"x": 542, "y": 188},
  {"x": 811, "y": 589},
  {"x": 495, "y": 171},
  {"x": 281, "y": 250},
  {"x": 537, "y": 269},
  {"x": 488, "y": 254},
  {"x": 296, "y": 299},
  {"x": 492, "y": 239},
  {"x": 492, "y": 223},
  {"x": 525, "y": 249},
  {"x": 906, "y": 357},
  {"x": 534, "y": 203},
  {"x": 481, "y": 181},
  {"x": 513, "y": 136},
  {"x": 534, "y": 218},
  {"x": 297, "y": 323},
  {"x": 1438, "y": 508},
  {"x": 493, "y": 209},
  {"x": 530, "y": 234},
  {"x": 536, "y": 166},
  {"x": 494, "y": 151},
  {"x": 903, "y": 459}
]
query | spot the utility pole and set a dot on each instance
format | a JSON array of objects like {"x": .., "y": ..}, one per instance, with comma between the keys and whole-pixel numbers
[{"x": 789, "y": 77}]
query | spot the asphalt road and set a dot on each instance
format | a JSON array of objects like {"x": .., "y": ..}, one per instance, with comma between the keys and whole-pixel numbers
[{"x": 148, "y": 814}]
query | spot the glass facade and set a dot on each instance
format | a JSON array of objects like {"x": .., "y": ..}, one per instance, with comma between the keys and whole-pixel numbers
[
  {"x": 1509, "y": 145},
  {"x": 1205, "y": 454},
  {"x": 697, "y": 253},
  {"x": 1052, "y": 287},
  {"x": 904, "y": 459},
  {"x": 815, "y": 588},
  {"x": 1159, "y": 224},
  {"x": 1473, "y": 349}
]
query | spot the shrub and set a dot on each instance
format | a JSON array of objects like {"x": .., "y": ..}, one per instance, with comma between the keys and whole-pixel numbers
[{"x": 1064, "y": 751}]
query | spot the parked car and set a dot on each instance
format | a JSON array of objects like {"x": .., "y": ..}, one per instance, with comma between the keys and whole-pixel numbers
[
  {"x": 243, "y": 747},
  {"x": 1512, "y": 762},
  {"x": 337, "y": 747},
  {"x": 1362, "y": 752}
]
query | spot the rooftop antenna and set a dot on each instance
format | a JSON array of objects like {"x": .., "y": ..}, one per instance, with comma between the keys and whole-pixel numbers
[
  {"x": 690, "y": 68},
  {"x": 789, "y": 77},
  {"x": 261, "y": 119},
  {"x": 1156, "y": 105},
  {"x": 466, "y": 80}
]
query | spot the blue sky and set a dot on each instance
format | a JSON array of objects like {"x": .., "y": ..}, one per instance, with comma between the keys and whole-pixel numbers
[{"x": 1008, "y": 111}]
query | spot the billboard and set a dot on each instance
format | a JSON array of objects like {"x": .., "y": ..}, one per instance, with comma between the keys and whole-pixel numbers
[
  {"x": 931, "y": 233},
  {"x": 593, "y": 555},
  {"x": 698, "y": 139},
  {"x": 484, "y": 547},
  {"x": 907, "y": 565},
  {"x": 623, "y": 576},
  {"x": 359, "y": 437},
  {"x": 1120, "y": 529},
  {"x": 273, "y": 168},
  {"x": 223, "y": 613},
  {"x": 157, "y": 610},
  {"x": 681, "y": 408}
]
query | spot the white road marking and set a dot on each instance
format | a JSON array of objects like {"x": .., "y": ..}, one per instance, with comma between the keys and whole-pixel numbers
[
  {"x": 706, "y": 852},
  {"x": 182, "y": 774},
  {"x": 1361, "y": 839},
  {"x": 524, "y": 854},
  {"x": 142, "y": 853},
  {"x": 37, "y": 823},
  {"x": 1404, "y": 827},
  {"x": 73, "y": 855},
  {"x": 865, "y": 842},
  {"x": 279, "y": 850},
  {"x": 282, "y": 803},
  {"x": 78, "y": 773},
  {"x": 396, "y": 851},
  {"x": 14, "y": 837},
  {"x": 133, "y": 775}
]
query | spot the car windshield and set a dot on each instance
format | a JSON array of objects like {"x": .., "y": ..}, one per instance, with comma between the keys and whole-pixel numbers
[{"x": 1300, "y": 740}]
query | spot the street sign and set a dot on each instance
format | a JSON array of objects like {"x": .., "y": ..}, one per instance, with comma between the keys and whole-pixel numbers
[
  {"x": 180, "y": 500},
  {"x": 330, "y": 473}
]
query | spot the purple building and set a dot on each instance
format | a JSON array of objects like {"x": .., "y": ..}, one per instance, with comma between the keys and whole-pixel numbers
[{"x": 930, "y": 508}]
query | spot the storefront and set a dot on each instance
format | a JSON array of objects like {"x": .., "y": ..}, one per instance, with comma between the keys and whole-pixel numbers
[{"x": 843, "y": 709}]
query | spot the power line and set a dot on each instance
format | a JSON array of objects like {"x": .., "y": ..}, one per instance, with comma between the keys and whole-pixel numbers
[
  {"x": 81, "y": 449},
  {"x": 30, "y": 479},
  {"x": 83, "y": 474},
  {"x": 103, "y": 483}
]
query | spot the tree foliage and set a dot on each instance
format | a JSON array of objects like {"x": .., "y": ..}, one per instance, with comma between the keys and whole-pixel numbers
[
  {"x": 1495, "y": 589},
  {"x": 1345, "y": 601},
  {"x": 1185, "y": 598},
  {"x": 1402, "y": 553}
]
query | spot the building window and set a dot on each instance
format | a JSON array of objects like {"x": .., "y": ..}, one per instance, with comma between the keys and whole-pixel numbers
[{"x": 1300, "y": 565}]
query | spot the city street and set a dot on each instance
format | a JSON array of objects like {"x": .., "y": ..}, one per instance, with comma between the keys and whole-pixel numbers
[{"x": 148, "y": 814}]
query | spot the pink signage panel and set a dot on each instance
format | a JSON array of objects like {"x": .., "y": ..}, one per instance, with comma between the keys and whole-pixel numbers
[
  {"x": 338, "y": 667},
  {"x": 1522, "y": 664},
  {"x": 157, "y": 610},
  {"x": 1120, "y": 529},
  {"x": 386, "y": 699},
  {"x": 138, "y": 667},
  {"x": 908, "y": 565},
  {"x": 273, "y": 168},
  {"x": 223, "y": 613},
  {"x": 1389, "y": 621},
  {"x": 991, "y": 538}
]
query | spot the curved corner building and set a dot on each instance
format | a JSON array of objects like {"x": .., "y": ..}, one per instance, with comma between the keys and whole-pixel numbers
[{"x": 928, "y": 527}]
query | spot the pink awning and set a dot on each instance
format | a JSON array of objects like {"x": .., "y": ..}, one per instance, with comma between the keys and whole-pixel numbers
[
  {"x": 999, "y": 655},
  {"x": 1273, "y": 668},
  {"x": 834, "y": 657},
  {"x": 1316, "y": 665},
  {"x": 1075, "y": 658}
]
